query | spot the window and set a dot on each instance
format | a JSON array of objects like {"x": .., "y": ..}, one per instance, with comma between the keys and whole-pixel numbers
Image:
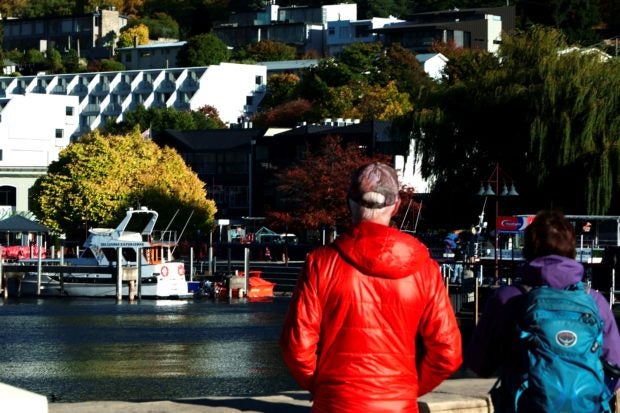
[
  {"x": 59, "y": 133},
  {"x": 26, "y": 29},
  {"x": 0, "y": 154},
  {"x": 66, "y": 25},
  {"x": 331, "y": 31},
  {"x": 362, "y": 31},
  {"x": 69, "y": 111},
  {"x": 8, "y": 195},
  {"x": 259, "y": 80},
  {"x": 238, "y": 196}
]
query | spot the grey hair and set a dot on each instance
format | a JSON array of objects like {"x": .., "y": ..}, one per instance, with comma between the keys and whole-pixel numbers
[{"x": 360, "y": 213}]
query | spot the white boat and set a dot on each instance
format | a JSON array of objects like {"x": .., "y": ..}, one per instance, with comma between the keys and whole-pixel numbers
[{"x": 161, "y": 276}]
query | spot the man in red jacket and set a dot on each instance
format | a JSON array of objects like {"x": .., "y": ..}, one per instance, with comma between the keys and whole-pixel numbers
[{"x": 370, "y": 327}]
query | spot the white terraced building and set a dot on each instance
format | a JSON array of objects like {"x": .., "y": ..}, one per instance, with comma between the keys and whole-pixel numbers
[{"x": 40, "y": 115}]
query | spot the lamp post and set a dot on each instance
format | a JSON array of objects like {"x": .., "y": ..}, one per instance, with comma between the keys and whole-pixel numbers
[{"x": 492, "y": 189}]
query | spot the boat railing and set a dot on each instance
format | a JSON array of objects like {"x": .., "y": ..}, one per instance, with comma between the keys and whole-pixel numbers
[{"x": 165, "y": 237}]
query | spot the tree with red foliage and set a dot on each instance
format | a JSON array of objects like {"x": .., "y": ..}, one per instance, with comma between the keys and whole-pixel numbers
[
  {"x": 288, "y": 114},
  {"x": 314, "y": 191}
]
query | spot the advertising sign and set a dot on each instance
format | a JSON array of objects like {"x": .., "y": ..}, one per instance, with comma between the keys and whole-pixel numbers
[{"x": 512, "y": 224}]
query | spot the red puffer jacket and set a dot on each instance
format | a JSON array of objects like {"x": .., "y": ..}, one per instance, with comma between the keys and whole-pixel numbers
[{"x": 370, "y": 326}]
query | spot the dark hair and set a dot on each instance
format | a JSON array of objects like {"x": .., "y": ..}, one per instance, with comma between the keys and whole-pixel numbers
[{"x": 550, "y": 233}]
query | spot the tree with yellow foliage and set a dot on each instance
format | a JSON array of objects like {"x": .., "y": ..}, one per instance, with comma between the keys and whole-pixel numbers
[
  {"x": 140, "y": 33},
  {"x": 95, "y": 180}
]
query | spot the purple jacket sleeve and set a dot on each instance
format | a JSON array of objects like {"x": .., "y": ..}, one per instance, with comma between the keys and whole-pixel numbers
[{"x": 611, "y": 337}]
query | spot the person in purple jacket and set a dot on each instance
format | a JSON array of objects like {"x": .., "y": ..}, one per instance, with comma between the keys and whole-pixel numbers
[{"x": 549, "y": 249}]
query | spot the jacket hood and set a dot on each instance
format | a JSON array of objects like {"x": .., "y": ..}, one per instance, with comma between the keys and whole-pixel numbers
[
  {"x": 381, "y": 251},
  {"x": 553, "y": 270}
]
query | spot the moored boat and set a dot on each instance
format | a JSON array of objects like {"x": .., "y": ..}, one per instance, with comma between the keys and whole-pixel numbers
[{"x": 145, "y": 253}]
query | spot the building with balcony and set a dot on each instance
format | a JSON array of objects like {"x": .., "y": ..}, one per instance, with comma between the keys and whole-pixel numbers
[
  {"x": 479, "y": 28},
  {"x": 93, "y": 35},
  {"x": 235, "y": 90},
  {"x": 300, "y": 26},
  {"x": 343, "y": 33}
]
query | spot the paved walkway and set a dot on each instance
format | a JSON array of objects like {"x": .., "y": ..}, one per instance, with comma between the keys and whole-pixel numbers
[{"x": 457, "y": 395}]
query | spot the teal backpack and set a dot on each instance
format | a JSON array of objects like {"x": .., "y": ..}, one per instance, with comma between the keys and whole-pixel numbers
[{"x": 561, "y": 341}]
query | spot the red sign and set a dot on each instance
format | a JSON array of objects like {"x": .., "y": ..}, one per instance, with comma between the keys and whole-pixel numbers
[{"x": 512, "y": 224}]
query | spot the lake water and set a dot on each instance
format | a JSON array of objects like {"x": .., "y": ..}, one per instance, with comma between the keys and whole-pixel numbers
[{"x": 75, "y": 350}]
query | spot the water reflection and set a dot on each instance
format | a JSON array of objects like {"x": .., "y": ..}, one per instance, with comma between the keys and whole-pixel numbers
[{"x": 81, "y": 350}]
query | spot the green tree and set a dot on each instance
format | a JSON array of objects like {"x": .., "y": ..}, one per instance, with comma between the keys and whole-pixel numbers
[
  {"x": 161, "y": 25},
  {"x": 158, "y": 119},
  {"x": 33, "y": 60},
  {"x": 401, "y": 66},
  {"x": 268, "y": 50},
  {"x": 105, "y": 65},
  {"x": 281, "y": 88},
  {"x": 361, "y": 59},
  {"x": 574, "y": 124},
  {"x": 43, "y": 8},
  {"x": 542, "y": 113},
  {"x": 203, "y": 50},
  {"x": 71, "y": 62},
  {"x": 383, "y": 8},
  {"x": 576, "y": 18},
  {"x": 96, "y": 179},
  {"x": 53, "y": 62},
  {"x": 382, "y": 103}
]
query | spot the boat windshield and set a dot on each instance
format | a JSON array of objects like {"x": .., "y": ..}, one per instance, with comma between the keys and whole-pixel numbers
[{"x": 129, "y": 254}]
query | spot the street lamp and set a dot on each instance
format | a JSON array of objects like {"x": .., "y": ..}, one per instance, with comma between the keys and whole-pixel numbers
[{"x": 490, "y": 187}]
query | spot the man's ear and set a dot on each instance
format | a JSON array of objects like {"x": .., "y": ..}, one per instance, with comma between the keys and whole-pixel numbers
[{"x": 396, "y": 207}]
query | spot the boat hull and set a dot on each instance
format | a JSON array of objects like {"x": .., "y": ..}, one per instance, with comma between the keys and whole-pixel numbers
[{"x": 96, "y": 285}]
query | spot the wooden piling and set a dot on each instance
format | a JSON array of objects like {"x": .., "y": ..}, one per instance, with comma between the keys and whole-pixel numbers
[{"x": 119, "y": 275}]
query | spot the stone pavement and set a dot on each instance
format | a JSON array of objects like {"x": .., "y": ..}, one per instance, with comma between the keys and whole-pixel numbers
[{"x": 455, "y": 395}]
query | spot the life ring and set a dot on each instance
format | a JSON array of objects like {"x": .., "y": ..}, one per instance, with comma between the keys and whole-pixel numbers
[
  {"x": 164, "y": 271},
  {"x": 181, "y": 270}
]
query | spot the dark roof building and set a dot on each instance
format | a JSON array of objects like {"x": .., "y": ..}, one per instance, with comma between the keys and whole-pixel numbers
[
  {"x": 239, "y": 166},
  {"x": 221, "y": 158},
  {"x": 478, "y": 28}
]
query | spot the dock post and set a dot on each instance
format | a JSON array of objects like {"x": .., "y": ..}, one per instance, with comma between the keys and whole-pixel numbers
[
  {"x": 62, "y": 282},
  {"x": 246, "y": 268},
  {"x": 39, "y": 267},
  {"x": 476, "y": 300},
  {"x": 139, "y": 274},
  {"x": 191, "y": 264},
  {"x": 131, "y": 286},
  {"x": 3, "y": 279},
  {"x": 119, "y": 275},
  {"x": 211, "y": 269}
]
